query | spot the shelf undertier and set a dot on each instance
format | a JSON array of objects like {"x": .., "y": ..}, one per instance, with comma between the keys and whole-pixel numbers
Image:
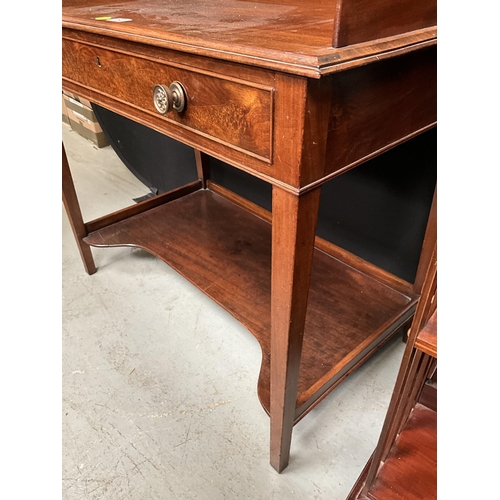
[{"x": 225, "y": 251}]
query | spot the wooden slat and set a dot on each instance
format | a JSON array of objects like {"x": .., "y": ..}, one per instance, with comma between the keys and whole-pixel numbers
[
  {"x": 428, "y": 396},
  {"x": 141, "y": 207},
  {"x": 428, "y": 247}
]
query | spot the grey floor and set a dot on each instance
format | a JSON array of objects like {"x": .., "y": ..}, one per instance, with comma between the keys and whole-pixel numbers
[{"x": 159, "y": 383}]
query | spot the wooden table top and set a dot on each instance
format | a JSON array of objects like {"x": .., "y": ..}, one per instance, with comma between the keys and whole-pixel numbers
[{"x": 288, "y": 35}]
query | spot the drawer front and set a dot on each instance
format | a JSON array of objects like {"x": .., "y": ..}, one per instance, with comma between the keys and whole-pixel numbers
[{"x": 235, "y": 113}]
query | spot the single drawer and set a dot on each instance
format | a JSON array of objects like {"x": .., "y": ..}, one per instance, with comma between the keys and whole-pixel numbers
[{"x": 232, "y": 112}]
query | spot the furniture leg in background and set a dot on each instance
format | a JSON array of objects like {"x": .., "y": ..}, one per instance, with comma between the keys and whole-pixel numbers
[
  {"x": 72, "y": 206},
  {"x": 295, "y": 112},
  {"x": 202, "y": 167},
  {"x": 408, "y": 441}
]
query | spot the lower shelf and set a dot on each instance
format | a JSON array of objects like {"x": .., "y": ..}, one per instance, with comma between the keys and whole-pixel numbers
[{"x": 225, "y": 251}]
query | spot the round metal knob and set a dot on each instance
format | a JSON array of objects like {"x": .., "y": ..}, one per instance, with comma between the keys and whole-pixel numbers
[
  {"x": 168, "y": 98},
  {"x": 178, "y": 96},
  {"x": 162, "y": 98}
]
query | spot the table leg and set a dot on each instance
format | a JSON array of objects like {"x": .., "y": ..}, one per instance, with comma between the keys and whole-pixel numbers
[
  {"x": 293, "y": 231},
  {"x": 72, "y": 206},
  {"x": 202, "y": 167}
]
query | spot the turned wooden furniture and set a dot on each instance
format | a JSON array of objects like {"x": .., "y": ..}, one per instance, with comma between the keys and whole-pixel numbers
[
  {"x": 404, "y": 463},
  {"x": 295, "y": 94}
]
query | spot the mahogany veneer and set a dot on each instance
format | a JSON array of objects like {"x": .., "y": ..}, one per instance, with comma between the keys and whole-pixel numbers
[
  {"x": 290, "y": 92},
  {"x": 409, "y": 472},
  {"x": 226, "y": 252},
  {"x": 404, "y": 463}
]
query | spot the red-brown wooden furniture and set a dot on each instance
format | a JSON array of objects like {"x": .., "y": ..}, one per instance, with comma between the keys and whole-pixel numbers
[
  {"x": 404, "y": 463},
  {"x": 294, "y": 94}
]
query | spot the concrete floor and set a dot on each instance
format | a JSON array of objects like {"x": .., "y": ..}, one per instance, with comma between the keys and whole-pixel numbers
[{"x": 159, "y": 382}]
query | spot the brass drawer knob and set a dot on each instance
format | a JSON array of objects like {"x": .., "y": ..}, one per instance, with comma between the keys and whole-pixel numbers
[{"x": 169, "y": 98}]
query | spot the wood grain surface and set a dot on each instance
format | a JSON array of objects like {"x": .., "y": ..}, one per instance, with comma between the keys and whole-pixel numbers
[
  {"x": 226, "y": 252},
  {"x": 380, "y": 104},
  {"x": 427, "y": 338},
  {"x": 362, "y": 20},
  {"x": 288, "y": 35},
  {"x": 410, "y": 470},
  {"x": 232, "y": 111},
  {"x": 294, "y": 93}
]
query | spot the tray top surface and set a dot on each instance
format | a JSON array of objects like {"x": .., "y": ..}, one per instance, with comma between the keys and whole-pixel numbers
[{"x": 291, "y": 32}]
